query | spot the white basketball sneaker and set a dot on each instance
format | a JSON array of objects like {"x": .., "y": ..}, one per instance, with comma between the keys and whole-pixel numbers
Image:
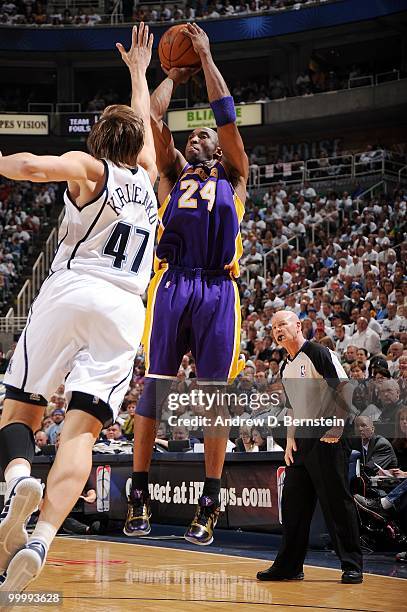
[
  {"x": 24, "y": 499},
  {"x": 24, "y": 567}
]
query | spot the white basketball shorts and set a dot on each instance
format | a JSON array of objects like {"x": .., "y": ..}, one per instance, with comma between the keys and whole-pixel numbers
[{"x": 82, "y": 331}]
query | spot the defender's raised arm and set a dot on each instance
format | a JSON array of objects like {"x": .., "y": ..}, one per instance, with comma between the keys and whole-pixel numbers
[{"x": 137, "y": 59}]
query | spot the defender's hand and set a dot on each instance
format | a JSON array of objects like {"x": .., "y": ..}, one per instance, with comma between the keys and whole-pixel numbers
[
  {"x": 332, "y": 436},
  {"x": 290, "y": 448},
  {"x": 139, "y": 55},
  {"x": 180, "y": 76},
  {"x": 199, "y": 38}
]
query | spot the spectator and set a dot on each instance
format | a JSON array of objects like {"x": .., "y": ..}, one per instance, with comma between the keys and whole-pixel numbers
[
  {"x": 41, "y": 440},
  {"x": 303, "y": 84},
  {"x": 180, "y": 432},
  {"x": 393, "y": 325},
  {"x": 350, "y": 353},
  {"x": 394, "y": 353},
  {"x": 245, "y": 443},
  {"x": 114, "y": 433},
  {"x": 162, "y": 433},
  {"x": 46, "y": 423},
  {"x": 366, "y": 338},
  {"x": 274, "y": 371},
  {"x": 401, "y": 375},
  {"x": 362, "y": 357},
  {"x": 366, "y": 312},
  {"x": 357, "y": 371},
  {"x": 400, "y": 438},
  {"x": 375, "y": 450},
  {"x": 58, "y": 417},
  {"x": 382, "y": 313},
  {"x": 260, "y": 434},
  {"x": 128, "y": 424},
  {"x": 389, "y": 401},
  {"x": 341, "y": 340},
  {"x": 253, "y": 261},
  {"x": 185, "y": 366},
  {"x": 378, "y": 362}
]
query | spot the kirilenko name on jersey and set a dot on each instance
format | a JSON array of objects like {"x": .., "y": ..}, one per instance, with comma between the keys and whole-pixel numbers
[{"x": 133, "y": 194}]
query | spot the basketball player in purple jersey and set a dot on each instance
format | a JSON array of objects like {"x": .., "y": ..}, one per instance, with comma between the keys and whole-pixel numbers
[{"x": 193, "y": 300}]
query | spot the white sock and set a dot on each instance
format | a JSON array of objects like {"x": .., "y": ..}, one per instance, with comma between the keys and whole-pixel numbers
[
  {"x": 13, "y": 473},
  {"x": 43, "y": 532},
  {"x": 386, "y": 503}
]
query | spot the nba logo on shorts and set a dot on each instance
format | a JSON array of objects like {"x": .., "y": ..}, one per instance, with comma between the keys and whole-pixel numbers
[
  {"x": 302, "y": 371},
  {"x": 280, "y": 485}
]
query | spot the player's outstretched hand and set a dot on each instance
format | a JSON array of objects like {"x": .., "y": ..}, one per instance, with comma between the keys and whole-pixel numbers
[
  {"x": 199, "y": 38},
  {"x": 180, "y": 76},
  {"x": 139, "y": 55},
  {"x": 332, "y": 436}
]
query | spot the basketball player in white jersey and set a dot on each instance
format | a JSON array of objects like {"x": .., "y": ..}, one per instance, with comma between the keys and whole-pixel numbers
[{"x": 86, "y": 323}]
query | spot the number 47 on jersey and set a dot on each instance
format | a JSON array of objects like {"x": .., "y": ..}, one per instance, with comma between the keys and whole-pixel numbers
[{"x": 116, "y": 245}]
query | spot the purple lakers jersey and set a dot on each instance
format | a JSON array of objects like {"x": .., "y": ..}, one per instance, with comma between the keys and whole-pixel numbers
[{"x": 199, "y": 222}]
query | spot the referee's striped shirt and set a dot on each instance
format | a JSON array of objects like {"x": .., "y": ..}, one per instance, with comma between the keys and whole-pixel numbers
[{"x": 310, "y": 380}]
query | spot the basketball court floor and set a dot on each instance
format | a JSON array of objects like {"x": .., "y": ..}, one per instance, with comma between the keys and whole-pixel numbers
[{"x": 165, "y": 573}]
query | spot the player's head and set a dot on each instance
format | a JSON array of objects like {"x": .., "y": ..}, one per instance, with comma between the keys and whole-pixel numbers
[
  {"x": 286, "y": 327},
  {"x": 202, "y": 146},
  {"x": 118, "y": 136}
]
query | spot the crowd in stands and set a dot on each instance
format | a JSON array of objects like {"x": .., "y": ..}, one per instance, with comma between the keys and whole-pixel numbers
[
  {"x": 37, "y": 13},
  {"x": 315, "y": 79},
  {"x": 207, "y": 9},
  {"x": 24, "y": 209}
]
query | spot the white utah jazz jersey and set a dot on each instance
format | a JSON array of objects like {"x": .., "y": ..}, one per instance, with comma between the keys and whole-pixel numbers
[{"x": 112, "y": 237}]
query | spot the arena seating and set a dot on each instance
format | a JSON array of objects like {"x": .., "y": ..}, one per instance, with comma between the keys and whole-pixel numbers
[
  {"x": 90, "y": 13},
  {"x": 25, "y": 211}
]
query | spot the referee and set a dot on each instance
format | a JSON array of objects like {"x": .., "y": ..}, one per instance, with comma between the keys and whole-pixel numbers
[{"x": 315, "y": 458}]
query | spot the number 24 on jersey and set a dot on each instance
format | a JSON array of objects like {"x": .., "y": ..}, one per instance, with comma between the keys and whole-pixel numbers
[{"x": 191, "y": 186}]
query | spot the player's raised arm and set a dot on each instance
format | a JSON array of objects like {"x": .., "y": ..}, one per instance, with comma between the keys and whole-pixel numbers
[
  {"x": 170, "y": 161},
  {"x": 137, "y": 60},
  {"x": 74, "y": 166},
  {"x": 222, "y": 105}
]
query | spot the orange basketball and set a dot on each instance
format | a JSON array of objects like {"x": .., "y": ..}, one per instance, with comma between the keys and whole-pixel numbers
[{"x": 175, "y": 49}]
